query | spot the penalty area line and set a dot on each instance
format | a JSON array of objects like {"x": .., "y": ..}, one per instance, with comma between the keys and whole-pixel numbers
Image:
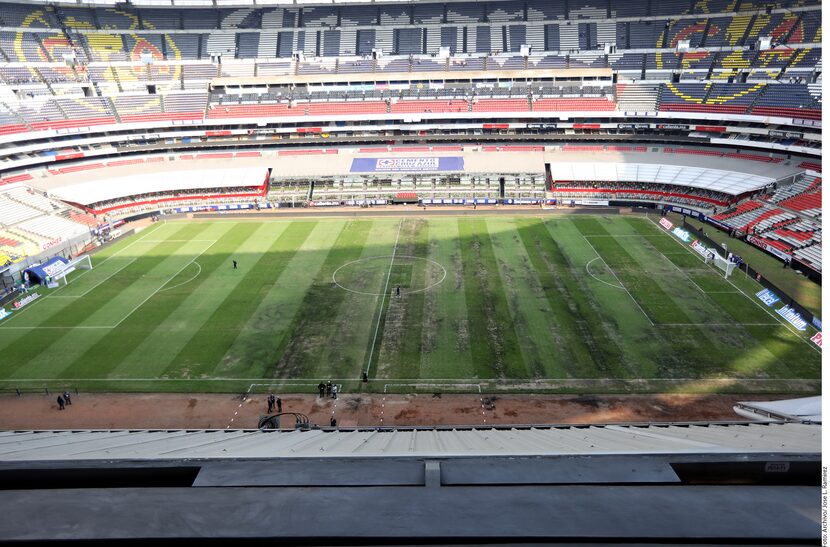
[
  {"x": 587, "y": 269},
  {"x": 171, "y": 278},
  {"x": 199, "y": 271},
  {"x": 618, "y": 281},
  {"x": 780, "y": 321}
]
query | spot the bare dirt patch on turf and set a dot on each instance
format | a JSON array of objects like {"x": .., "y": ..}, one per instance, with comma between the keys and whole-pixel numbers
[{"x": 214, "y": 411}]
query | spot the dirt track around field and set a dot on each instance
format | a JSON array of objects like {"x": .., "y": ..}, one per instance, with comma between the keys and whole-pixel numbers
[{"x": 220, "y": 411}]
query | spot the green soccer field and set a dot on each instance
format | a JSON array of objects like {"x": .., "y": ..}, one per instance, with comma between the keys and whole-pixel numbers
[{"x": 586, "y": 304}]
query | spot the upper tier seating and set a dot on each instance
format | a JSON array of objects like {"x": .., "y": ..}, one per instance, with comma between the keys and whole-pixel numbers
[
  {"x": 788, "y": 101},
  {"x": 51, "y": 227},
  {"x": 13, "y": 212}
]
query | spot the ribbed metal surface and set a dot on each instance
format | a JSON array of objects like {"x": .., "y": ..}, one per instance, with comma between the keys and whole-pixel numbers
[{"x": 610, "y": 439}]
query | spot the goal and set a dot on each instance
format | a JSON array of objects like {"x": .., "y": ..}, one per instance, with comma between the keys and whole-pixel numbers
[
  {"x": 724, "y": 265},
  {"x": 81, "y": 263}
]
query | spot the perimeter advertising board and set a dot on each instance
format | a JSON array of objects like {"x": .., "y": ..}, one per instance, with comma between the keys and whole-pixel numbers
[
  {"x": 407, "y": 165},
  {"x": 792, "y": 317},
  {"x": 25, "y": 300},
  {"x": 768, "y": 297},
  {"x": 758, "y": 242}
]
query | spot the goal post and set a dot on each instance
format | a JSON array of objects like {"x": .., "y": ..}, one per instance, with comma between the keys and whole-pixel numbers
[
  {"x": 724, "y": 265},
  {"x": 711, "y": 256},
  {"x": 83, "y": 262}
]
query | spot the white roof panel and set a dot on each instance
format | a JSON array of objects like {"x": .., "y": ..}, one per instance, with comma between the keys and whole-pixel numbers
[{"x": 108, "y": 188}]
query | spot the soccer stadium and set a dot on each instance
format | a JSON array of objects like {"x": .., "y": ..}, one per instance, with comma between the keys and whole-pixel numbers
[{"x": 482, "y": 252}]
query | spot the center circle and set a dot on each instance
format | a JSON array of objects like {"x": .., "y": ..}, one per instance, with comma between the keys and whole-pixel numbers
[{"x": 368, "y": 276}]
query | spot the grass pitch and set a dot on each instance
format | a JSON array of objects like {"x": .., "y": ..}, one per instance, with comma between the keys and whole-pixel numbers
[{"x": 559, "y": 303}]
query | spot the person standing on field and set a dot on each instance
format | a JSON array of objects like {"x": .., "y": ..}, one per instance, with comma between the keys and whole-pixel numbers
[
  {"x": 234, "y": 264},
  {"x": 61, "y": 402}
]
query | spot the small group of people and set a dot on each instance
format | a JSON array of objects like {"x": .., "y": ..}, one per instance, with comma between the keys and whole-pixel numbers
[
  {"x": 64, "y": 399},
  {"x": 735, "y": 258},
  {"x": 327, "y": 389},
  {"x": 274, "y": 402}
]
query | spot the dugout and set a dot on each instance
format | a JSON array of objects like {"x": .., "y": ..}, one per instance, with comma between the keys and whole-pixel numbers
[{"x": 52, "y": 269}]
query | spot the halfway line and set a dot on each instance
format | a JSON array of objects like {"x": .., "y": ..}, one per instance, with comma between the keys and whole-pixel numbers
[{"x": 383, "y": 299}]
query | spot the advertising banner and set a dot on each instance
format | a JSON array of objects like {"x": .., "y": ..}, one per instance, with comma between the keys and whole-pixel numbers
[
  {"x": 768, "y": 297},
  {"x": 25, "y": 300},
  {"x": 685, "y": 211},
  {"x": 323, "y": 203},
  {"x": 681, "y": 234},
  {"x": 407, "y": 165},
  {"x": 816, "y": 339},
  {"x": 769, "y": 248},
  {"x": 792, "y": 317},
  {"x": 591, "y": 201},
  {"x": 717, "y": 223},
  {"x": 52, "y": 243},
  {"x": 666, "y": 223},
  {"x": 698, "y": 247},
  {"x": 459, "y": 201},
  {"x": 4, "y": 313}
]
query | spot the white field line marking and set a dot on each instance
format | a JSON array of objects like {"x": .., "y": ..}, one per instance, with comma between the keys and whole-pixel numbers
[
  {"x": 86, "y": 292},
  {"x": 56, "y": 328},
  {"x": 383, "y": 298},
  {"x": 275, "y": 387},
  {"x": 441, "y": 381},
  {"x": 620, "y": 282},
  {"x": 185, "y": 282},
  {"x": 698, "y": 287},
  {"x": 334, "y": 275},
  {"x": 780, "y": 321},
  {"x": 716, "y": 324},
  {"x": 587, "y": 269},
  {"x": 422, "y": 384},
  {"x": 244, "y": 398},
  {"x": 152, "y": 294},
  {"x": 17, "y": 314},
  {"x": 686, "y": 274},
  {"x": 149, "y": 231},
  {"x": 134, "y": 309},
  {"x": 620, "y": 235}
]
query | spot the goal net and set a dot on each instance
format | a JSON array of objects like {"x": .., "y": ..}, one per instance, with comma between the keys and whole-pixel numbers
[
  {"x": 81, "y": 263},
  {"x": 724, "y": 265}
]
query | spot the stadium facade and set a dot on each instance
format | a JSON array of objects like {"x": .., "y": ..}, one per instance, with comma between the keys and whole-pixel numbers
[
  {"x": 110, "y": 112},
  {"x": 100, "y": 91}
]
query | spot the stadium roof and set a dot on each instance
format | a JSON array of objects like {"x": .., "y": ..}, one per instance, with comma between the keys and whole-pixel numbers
[
  {"x": 698, "y": 484},
  {"x": 731, "y": 176},
  {"x": 805, "y": 408},
  {"x": 527, "y": 441},
  {"x": 104, "y": 188}
]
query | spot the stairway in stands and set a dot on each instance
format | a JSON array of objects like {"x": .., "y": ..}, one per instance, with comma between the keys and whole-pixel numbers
[{"x": 637, "y": 97}]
